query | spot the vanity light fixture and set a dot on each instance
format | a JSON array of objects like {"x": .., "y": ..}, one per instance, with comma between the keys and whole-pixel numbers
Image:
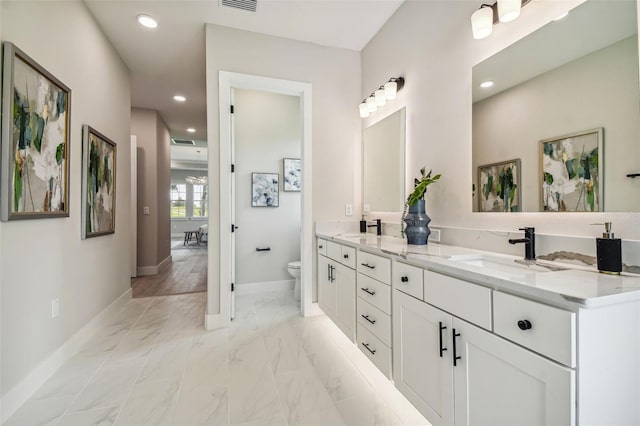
[
  {"x": 486, "y": 84},
  {"x": 147, "y": 21},
  {"x": 384, "y": 93},
  {"x": 483, "y": 19}
]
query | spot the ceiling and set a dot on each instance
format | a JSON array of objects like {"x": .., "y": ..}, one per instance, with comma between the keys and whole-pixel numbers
[{"x": 170, "y": 59}]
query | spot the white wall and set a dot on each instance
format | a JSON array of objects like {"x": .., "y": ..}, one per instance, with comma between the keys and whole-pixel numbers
[
  {"x": 430, "y": 43},
  {"x": 46, "y": 259},
  {"x": 590, "y": 92},
  {"x": 267, "y": 129},
  {"x": 335, "y": 76}
]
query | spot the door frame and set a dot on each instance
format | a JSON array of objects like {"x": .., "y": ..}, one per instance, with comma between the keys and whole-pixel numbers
[{"x": 226, "y": 82}]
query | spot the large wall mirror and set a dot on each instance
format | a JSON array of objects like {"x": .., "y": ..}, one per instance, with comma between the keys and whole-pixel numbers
[
  {"x": 383, "y": 164},
  {"x": 559, "y": 129}
]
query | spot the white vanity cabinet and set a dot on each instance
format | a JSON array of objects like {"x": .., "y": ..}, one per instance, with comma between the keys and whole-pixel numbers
[
  {"x": 456, "y": 373},
  {"x": 337, "y": 285}
]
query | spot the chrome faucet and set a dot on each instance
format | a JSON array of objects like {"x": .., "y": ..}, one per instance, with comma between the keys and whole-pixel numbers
[
  {"x": 529, "y": 241},
  {"x": 378, "y": 226}
]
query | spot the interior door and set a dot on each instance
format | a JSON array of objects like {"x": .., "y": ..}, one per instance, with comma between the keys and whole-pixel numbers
[{"x": 232, "y": 309}]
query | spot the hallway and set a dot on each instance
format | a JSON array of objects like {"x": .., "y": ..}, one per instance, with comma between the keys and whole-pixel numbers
[{"x": 154, "y": 364}]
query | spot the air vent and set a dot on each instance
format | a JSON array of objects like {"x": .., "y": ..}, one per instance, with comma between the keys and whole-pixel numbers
[
  {"x": 183, "y": 142},
  {"x": 248, "y": 5}
]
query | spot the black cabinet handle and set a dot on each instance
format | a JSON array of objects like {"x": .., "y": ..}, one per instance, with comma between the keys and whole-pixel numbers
[
  {"x": 320, "y": 246},
  {"x": 366, "y": 265},
  {"x": 367, "y": 318},
  {"x": 442, "y": 327},
  {"x": 333, "y": 270},
  {"x": 346, "y": 256},
  {"x": 525, "y": 325},
  {"x": 366, "y": 345},
  {"x": 366, "y": 290},
  {"x": 328, "y": 272},
  {"x": 263, "y": 249},
  {"x": 455, "y": 355},
  {"x": 404, "y": 279}
]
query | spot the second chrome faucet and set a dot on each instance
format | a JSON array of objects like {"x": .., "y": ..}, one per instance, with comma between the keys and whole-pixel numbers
[{"x": 529, "y": 241}]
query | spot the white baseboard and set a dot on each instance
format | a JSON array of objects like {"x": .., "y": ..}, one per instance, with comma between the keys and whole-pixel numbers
[
  {"x": 215, "y": 321},
  {"x": 21, "y": 392},
  {"x": 314, "y": 310},
  {"x": 264, "y": 286},
  {"x": 154, "y": 270}
]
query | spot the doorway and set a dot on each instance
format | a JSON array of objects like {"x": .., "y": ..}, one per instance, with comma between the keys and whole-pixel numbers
[{"x": 227, "y": 82}]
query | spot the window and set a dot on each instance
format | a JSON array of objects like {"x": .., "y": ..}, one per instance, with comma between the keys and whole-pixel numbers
[
  {"x": 178, "y": 199},
  {"x": 200, "y": 198}
]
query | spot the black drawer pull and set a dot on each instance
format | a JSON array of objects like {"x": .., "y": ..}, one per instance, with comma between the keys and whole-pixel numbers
[
  {"x": 525, "y": 325},
  {"x": 366, "y": 345},
  {"x": 442, "y": 327},
  {"x": 366, "y": 290},
  {"x": 367, "y": 318},
  {"x": 320, "y": 246},
  {"x": 366, "y": 265},
  {"x": 346, "y": 256},
  {"x": 455, "y": 355},
  {"x": 263, "y": 249},
  {"x": 404, "y": 279}
]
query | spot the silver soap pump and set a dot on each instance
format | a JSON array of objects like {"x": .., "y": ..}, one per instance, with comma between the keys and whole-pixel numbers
[{"x": 609, "y": 251}]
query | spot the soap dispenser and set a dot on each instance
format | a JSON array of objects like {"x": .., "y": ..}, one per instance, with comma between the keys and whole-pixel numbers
[{"x": 609, "y": 252}]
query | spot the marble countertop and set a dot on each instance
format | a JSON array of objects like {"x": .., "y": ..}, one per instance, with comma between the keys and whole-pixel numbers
[{"x": 572, "y": 285}]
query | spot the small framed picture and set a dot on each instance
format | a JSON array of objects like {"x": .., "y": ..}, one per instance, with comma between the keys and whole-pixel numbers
[
  {"x": 264, "y": 189},
  {"x": 292, "y": 174},
  {"x": 98, "y": 183},
  {"x": 34, "y": 173}
]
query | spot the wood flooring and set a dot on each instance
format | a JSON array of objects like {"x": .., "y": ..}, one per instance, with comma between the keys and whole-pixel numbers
[{"x": 187, "y": 273}]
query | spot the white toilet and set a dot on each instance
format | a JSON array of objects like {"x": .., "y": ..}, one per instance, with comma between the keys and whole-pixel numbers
[{"x": 294, "y": 270}]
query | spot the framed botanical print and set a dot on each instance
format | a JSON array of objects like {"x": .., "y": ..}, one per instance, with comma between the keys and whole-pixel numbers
[
  {"x": 34, "y": 177},
  {"x": 291, "y": 173},
  {"x": 264, "y": 189},
  {"x": 499, "y": 187},
  {"x": 98, "y": 183}
]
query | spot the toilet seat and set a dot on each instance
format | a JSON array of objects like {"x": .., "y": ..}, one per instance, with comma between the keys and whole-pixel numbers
[{"x": 293, "y": 265}]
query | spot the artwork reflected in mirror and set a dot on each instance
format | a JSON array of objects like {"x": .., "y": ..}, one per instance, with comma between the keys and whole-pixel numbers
[
  {"x": 383, "y": 164},
  {"x": 560, "y": 80},
  {"x": 499, "y": 187}
]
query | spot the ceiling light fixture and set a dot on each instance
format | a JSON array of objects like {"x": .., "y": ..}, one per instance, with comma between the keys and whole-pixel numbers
[
  {"x": 179, "y": 98},
  {"x": 147, "y": 21},
  {"x": 191, "y": 130},
  {"x": 486, "y": 84},
  {"x": 200, "y": 179},
  {"x": 380, "y": 96},
  {"x": 483, "y": 19}
]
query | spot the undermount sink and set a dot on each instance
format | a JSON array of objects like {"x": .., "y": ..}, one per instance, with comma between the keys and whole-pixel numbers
[{"x": 505, "y": 264}]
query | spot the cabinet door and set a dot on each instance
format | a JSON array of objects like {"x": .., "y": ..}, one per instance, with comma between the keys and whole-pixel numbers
[
  {"x": 500, "y": 383},
  {"x": 326, "y": 286},
  {"x": 346, "y": 300},
  {"x": 419, "y": 371}
]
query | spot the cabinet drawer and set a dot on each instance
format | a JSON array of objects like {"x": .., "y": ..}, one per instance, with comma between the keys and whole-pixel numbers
[
  {"x": 552, "y": 331},
  {"x": 375, "y": 350},
  {"x": 348, "y": 257},
  {"x": 408, "y": 279},
  {"x": 468, "y": 301},
  {"x": 375, "y": 266},
  {"x": 334, "y": 251},
  {"x": 322, "y": 247},
  {"x": 374, "y": 320},
  {"x": 375, "y": 293}
]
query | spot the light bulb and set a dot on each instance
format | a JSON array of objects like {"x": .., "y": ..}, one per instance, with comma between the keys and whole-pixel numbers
[
  {"x": 364, "y": 110},
  {"x": 371, "y": 104},
  {"x": 482, "y": 23},
  {"x": 390, "y": 90},
  {"x": 508, "y": 10},
  {"x": 381, "y": 100}
]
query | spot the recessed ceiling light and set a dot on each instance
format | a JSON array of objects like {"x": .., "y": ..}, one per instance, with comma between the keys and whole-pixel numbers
[
  {"x": 564, "y": 15},
  {"x": 191, "y": 130},
  {"x": 147, "y": 21},
  {"x": 179, "y": 98},
  {"x": 486, "y": 84}
]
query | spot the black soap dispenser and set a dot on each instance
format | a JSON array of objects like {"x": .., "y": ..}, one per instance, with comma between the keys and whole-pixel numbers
[{"x": 609, "y": 252}]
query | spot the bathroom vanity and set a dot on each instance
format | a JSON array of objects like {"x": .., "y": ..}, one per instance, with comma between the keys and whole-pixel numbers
[{"x": 472, "y": 337}]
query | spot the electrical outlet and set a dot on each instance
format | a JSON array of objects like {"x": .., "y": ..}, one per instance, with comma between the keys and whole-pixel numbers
[
  {"x": 366, "y": 208},
  {"x": 145, "y": 210},
  {"x": 435, "y": 235},
  {"x": 55, "y": 308},
  {"x": 348, "y": 210}
]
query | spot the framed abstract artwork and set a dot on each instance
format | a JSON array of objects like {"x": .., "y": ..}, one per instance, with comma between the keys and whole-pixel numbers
[
  {"x": 34, "y": 174},
  {"x": 98, "y": 184},
  {"x": 264, "y": 189},
  {"x": 292, "y": 173},
  {"x": 499, "y": 185},
  {"x": 571, "y": 174}
]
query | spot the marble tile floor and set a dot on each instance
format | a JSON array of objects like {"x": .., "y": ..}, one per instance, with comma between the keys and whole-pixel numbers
[{"x": 154, "y": 364}]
